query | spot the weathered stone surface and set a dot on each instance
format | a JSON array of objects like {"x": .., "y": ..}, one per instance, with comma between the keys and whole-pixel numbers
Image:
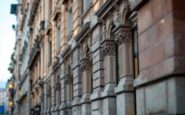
[
  {"x": 97, "y": 107},
  {"x": 86, "y": 109},
  {"x": 140, "y": 100},
  {"x": 156, "y": 102},
  {"x": 108, "y": 109},
  {"x": 125, "y": 104}
]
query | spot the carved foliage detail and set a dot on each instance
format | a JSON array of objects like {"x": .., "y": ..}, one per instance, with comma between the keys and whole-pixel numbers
[
  {"x": 123, "y": 37},
  {"x": 85, "y": 65},
  {"x": 108, "y": 48},
  {"x": 68, "y": 79}
]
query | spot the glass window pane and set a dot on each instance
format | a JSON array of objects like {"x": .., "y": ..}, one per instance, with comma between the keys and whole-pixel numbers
[
  {"x": 70, "y": 21},
  {"x": 86, "y": 4}
]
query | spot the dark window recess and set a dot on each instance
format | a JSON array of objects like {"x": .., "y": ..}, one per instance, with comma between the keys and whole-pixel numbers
[
  {"x": 42, "y": 25},
  {"x": 135, "y": 53},
  {"x": 13, "y": 9},
  {"x": 117, "y": 64}
]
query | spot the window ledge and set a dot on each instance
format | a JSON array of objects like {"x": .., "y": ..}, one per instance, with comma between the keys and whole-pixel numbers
[
  {"x": 70, "y": 35},
  {"x": 88, "y": 9}
]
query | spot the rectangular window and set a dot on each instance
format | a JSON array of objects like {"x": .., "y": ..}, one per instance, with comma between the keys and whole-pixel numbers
[
  {"x": 86, "y": 4},
  {"x": 58, "y": 37},
  {"x": 50, "y": 53},
  {"x": 70, "y": 20},
  {"x": 50, "y": 7},
  {"x": 135, "y": 53}
]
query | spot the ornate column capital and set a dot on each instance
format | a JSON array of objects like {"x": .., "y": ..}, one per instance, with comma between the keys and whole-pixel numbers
[
  {"x": 68, "y": 79},
  {"x": 85, "y": 65},
  {"x": 123, "y": 36},
  {"x": 108, "y": 47}
]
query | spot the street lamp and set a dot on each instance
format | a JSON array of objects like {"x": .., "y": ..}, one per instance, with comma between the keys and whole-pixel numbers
[
  {"x": 10, "y": 86},
  {"x": 10, "y": 103}
]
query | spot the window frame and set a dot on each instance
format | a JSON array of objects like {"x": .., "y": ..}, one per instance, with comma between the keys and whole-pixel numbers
[
  {"x": 135, "y": 48},
  {"x": 70, "y": 20},
  {"x": 85, "y": 5}
]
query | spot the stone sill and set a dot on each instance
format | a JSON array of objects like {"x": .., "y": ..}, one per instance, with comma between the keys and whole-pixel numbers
[{"x": 87, "y": 11}]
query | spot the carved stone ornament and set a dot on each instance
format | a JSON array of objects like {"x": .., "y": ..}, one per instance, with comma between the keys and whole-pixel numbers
[
  {"x": 57, "y": 85},
  {"x": 84, "y": 65},
  {"x": 68, "y": 79},
  {"x": 108, "y": 48},
  {"x": 123, "y": 37}
]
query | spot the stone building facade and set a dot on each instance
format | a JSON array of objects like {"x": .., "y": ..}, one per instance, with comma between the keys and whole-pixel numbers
[{"x": 104, "y": 57}]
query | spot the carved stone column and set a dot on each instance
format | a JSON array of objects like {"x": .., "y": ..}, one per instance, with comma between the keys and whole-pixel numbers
[
  {"x": 85, "y": 67},
  {"x": 53, "y": 103},
  {"x": 63, "y": 91},
  {"x": 108, "y": 50},
  {"x": 69, "y": 93},
  {"x": 77, "y": 94},
  {"x": 45, "y": 99},
  {"x": 125, "y": 90},
  {"x": 67, "y": 104}
]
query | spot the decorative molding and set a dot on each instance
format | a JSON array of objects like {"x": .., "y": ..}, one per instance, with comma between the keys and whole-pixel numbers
[
  {"x": 34, "y": 6},
  {"x": 108, "y": 47},
  {"x": 138, "y": 4},
  {"x": 66, "y": 51},
  {"x": 48, "y": 28},
  {"x": 123, "y": 36},
  {"x": 35, "y": 51},
  {"x": 56, "y": 13},
  {"x": 68, "y": 79},
  {"x": 105, "y": 8},
  {"x": 57, "y": 85},
  {"x": 85, "y": 65},
  {"x": 83, "y": 32},
  {"x": 56, "y": 62}
]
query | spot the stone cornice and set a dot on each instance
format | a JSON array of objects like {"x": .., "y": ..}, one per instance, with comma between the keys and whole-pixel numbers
[
  {"x": 105, "y": 8},
  {"x": 34, "y": 7},
  {"x": 66, "y": 52},
  {"x": 22, "y": 22},
  {"x": 56, "y": 13},
  {"x": 48, "y": 29},
  {"x": 83, "y": 32},
  {"x": 35, "y": 51},
  {"x": 138, "y": 4}
]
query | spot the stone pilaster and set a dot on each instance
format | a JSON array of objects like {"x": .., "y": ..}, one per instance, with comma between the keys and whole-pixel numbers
[
  {"x": 85, "y": 67},
  {"x": 29, "y": 94},
  {"x": 69, "y": 93},
  {"x": 53, "y": 102},
  {"x": 63, "y": 91},
  {"x": 66, "y": 89},
  {"x": 125, "y": 90},
  {"x": 98, "y": 78},
  {"x": 77, "y": 88},
  {"x": 45, "y": 98},
  {"x": 109, "y": 98}
]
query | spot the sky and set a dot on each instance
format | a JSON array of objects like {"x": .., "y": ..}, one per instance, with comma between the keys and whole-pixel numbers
[{"x": 7, "y": 39}]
